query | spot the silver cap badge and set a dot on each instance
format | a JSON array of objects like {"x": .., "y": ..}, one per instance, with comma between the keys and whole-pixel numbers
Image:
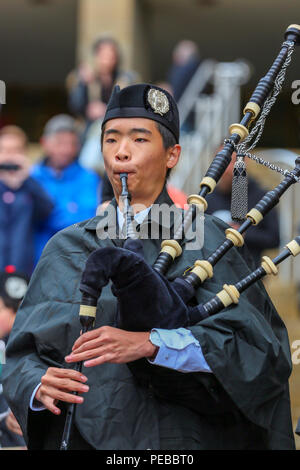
[{"x": 158, "y": 101}]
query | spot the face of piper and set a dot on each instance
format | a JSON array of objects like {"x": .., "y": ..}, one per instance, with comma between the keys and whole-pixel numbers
[{"x": 135, "y": 146}]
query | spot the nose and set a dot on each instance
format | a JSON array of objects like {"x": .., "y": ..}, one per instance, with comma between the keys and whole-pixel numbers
[{"x": 123, "y": 152}]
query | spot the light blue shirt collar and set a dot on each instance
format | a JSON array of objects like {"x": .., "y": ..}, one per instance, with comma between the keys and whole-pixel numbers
[{"x": 139, "y": 217}]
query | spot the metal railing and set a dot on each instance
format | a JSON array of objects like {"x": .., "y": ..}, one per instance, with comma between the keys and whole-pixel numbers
[{"x": 213, "y": 114}]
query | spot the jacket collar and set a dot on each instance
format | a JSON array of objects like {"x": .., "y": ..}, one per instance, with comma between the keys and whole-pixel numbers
[
  {"x": 163, "y": 198},
  {"x": 68, "y": 172}
]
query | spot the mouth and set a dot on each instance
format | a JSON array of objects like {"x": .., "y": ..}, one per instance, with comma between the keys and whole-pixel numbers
[{"x": 118, "y": 172}]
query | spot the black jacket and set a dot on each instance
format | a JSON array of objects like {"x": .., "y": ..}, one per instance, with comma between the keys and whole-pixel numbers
[{"x": 243, "y": 404}]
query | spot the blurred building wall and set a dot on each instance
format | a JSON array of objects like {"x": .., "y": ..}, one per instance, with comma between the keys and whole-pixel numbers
[
  {"x": 42, "y": 41},
  {"x": 105, "y": 18},
  {"x": 223, "y": 29},
  {"x": 126, "y": 21},
  {"x": 37, "y": 41},
  {"x": 37, "y": 51}
]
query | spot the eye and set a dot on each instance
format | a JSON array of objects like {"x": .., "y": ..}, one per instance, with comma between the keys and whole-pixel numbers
[
  {"x": 141, "y": 139},
  {"x": 110, "y": 140}
]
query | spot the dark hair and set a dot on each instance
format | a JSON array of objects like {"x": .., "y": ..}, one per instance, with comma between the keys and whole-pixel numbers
[
  {"x": 169, "y": 140},
  {"x": 107, "y": 40},
  {"x": 13, "y": 304}
]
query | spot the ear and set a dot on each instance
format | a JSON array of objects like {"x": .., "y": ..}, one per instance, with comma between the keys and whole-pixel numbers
[{"x": 173, "y": 155}]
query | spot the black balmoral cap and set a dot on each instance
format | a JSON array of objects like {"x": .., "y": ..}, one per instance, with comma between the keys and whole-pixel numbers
[{"x": 145, "y": 101}]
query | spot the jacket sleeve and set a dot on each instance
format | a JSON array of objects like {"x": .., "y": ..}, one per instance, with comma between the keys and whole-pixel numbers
[
  {"x": 23, "y": 371},
  {"x": 45, "y": 327},
  {"x": 247, "y": 345},
  {"x": 42, "y": 201}
]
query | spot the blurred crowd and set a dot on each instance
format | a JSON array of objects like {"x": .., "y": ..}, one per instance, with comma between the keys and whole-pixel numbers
[{"x": 68, "y": 182}]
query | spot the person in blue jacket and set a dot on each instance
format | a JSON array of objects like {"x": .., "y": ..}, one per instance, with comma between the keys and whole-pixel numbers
[
  {"x": 75, "y": 191},
  {"x": 23, "y": 202}
]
